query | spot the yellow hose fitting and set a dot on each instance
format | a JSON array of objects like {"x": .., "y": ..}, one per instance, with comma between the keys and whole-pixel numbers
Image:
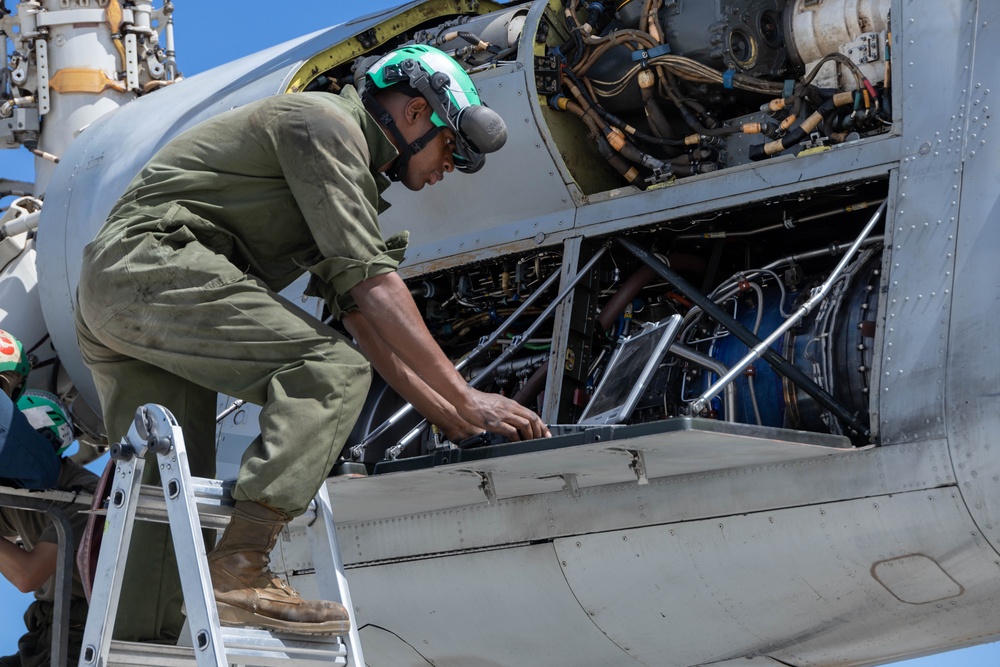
[{"x": 616, "y": 138}]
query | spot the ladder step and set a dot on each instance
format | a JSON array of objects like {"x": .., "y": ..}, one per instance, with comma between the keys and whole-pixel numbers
[
  {"x": 261, "y": 645},
  {"x": 243, "y": 646}
]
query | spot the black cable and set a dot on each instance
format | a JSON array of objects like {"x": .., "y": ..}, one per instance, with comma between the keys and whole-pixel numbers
[{"x": 614, "y": 120}]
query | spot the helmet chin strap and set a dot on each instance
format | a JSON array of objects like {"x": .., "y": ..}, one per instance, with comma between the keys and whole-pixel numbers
[{"x": 397, "y": 170}]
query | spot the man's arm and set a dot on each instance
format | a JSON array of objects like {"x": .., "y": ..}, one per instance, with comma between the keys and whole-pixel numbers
[
  {"x": 387, "y": 306},
  {"x": 428, "y": 402},
  {"x": 28, "y": 570}
]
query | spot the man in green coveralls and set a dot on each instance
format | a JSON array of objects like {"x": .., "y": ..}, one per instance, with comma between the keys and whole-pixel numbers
[{"x": 178, "y": 300}]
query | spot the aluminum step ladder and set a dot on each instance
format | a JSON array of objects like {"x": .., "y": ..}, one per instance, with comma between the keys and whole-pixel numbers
[{"x": 188, "y": 504}]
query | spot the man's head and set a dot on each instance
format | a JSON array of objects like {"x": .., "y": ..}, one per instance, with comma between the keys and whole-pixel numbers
[
  {"x": 432, "y": 111},
  {"x": 14, "y": 366}
]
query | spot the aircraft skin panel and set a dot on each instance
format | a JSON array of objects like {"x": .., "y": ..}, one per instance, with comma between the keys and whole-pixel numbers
[
  {"x": 745, "y": 577},
  {"x": 584, "y": 460},
  {"x": 692, "y": 497},
  {"x": 448, "y": 609},
  {"x": 790, "y": 584},
  {"x": 972, "y": 380},
  {"x": 919, "y": 283},
  {"x": 384, "y": 648}
]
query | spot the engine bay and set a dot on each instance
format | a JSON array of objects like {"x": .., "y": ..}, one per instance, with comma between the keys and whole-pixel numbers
[{"x": 645, "y": 96}]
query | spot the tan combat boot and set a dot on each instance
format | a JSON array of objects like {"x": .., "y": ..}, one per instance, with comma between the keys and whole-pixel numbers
[{"x": 249, "y": 594}]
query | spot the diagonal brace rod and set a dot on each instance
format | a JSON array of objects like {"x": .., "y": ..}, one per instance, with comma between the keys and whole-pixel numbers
[{"x": 781, "y": 365}]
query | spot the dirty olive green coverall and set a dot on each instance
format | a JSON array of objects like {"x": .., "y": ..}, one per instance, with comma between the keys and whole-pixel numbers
[{"x": 178, "y": 300}]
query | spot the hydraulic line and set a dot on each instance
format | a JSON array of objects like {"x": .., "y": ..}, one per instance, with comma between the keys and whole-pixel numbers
[
  {"x": 763, "y": 151},
  {"x": 358, "y": 450},
  {"x": 817, "y": 296},
  {"x": 780, "y": 364},
  {"x": 397, "y": 449},
  {"x": 787, "y": 224},
  {"x": 713, "y": 365}
]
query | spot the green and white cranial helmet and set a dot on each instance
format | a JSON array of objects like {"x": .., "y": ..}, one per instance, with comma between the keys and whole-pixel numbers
[
  {"x": 440, "y": 80},
  {"x": 47, "y": 415},
  {"x": 14, "y": 363}
]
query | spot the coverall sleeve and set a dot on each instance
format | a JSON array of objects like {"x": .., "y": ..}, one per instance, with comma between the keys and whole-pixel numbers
[
  {"x": 6, "y": 528},
  {"x": 325, "y": 159}
]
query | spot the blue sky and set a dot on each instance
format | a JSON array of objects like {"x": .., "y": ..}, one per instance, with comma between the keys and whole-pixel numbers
[{"x": 211, "y": 33}]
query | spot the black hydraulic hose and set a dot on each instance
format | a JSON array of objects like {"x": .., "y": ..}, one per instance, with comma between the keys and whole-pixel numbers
[
  {"x": 578, "y": 49},
  {"x": 614, "y": 120},
  {"x": 763, "y": 151},
  {"x": 776, "y": 361},
  {"x": 638, "y": 134}
]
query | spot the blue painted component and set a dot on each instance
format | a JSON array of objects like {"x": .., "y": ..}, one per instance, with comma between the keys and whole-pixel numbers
[{"x": 767, "y": 384}]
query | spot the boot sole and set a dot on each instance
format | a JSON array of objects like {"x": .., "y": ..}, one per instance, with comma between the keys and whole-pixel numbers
[{"x": 237, "y": 617}]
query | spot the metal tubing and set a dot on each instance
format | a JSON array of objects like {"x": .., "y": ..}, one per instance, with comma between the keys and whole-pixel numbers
[
  {"x": 713, "y": 365},
  {"x": 817, "y": 295},
  {"x": 359, "y": 449},
  {"x": 812, "y": 254},
  {"x": 518, "y": 343},
  {"x": 779, "y": 363}
]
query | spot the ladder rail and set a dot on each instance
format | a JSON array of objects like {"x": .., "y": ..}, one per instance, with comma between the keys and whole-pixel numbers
[
  {"x": 117, "y": 535},
  {"x": 323, "y": 540},
  {"x": 189, "y": 543},
  {"x": 184, "y": 499}
]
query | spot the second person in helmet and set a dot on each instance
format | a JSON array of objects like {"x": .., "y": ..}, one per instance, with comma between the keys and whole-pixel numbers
[{"x": 178, "y": 300}]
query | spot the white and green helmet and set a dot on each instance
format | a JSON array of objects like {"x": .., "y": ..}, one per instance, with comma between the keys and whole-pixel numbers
[
  {"x": 47, "y": 415},
  {"x": 440, "y": 80}
]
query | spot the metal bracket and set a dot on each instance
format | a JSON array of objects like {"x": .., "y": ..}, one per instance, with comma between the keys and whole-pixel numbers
[
  {"x": 638, "y": 465},
  {"x": 42, "y": 68},
  {"x": 570, "y": 484},
  {"x": 368, "y": 39},
  {"x": 155, "y": 425},
  {"x": 547, "y": 75},
  {"x": 486, "y": 486}
]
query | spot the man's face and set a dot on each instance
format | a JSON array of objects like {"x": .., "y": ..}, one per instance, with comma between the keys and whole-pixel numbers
[
  {"x": 429, "y": 165},
  {"x": 413, "y": 120}
]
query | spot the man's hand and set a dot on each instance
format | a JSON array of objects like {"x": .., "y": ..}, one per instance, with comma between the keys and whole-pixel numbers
[
  {"x": 394, "y": 337},
  {"x": 503, "y": 416}
]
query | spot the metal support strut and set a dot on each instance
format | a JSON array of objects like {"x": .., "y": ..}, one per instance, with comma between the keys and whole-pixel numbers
[{"x": 777, "y": 362}]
